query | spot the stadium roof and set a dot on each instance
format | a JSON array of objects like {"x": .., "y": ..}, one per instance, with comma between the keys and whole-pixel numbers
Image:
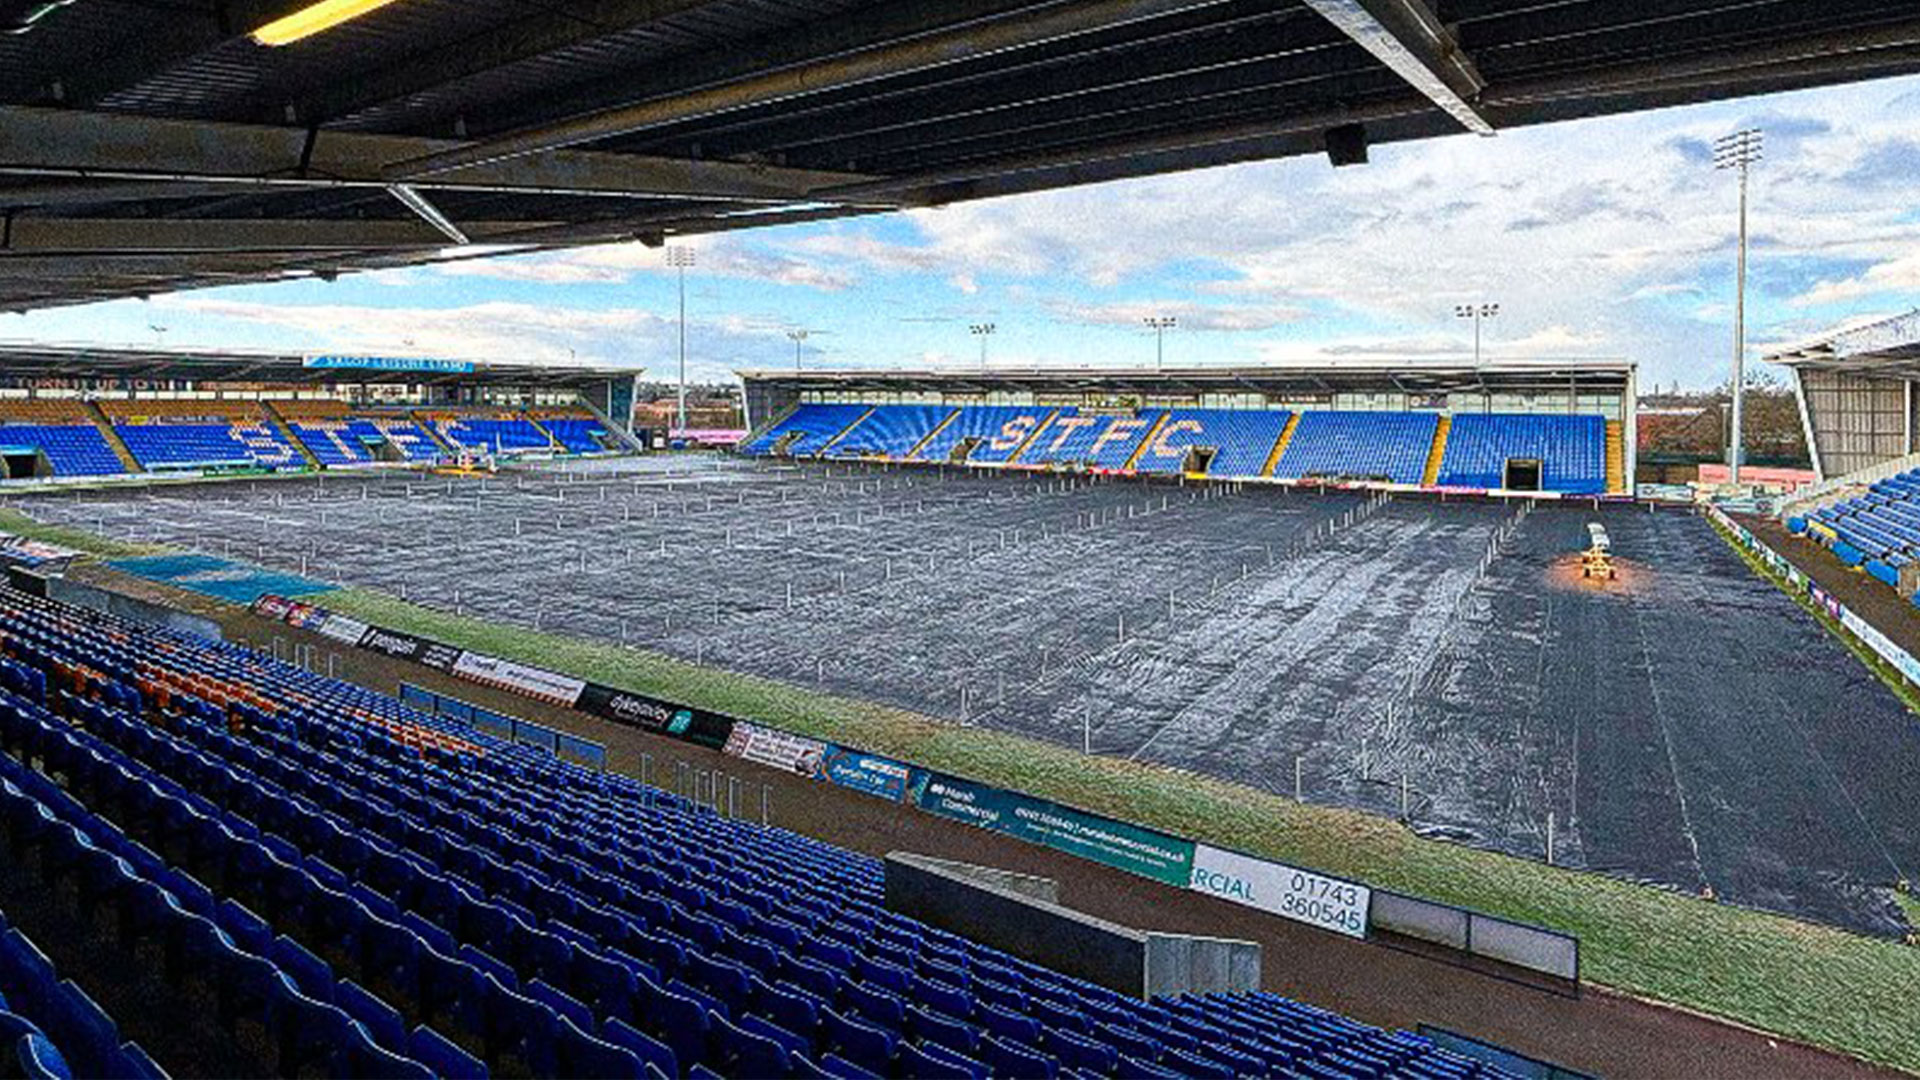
[
  {"x": 150, "y": 146},
  {"x": 1889, "y": 347},
  {"x": 1280, "y": 379},
  {"x": 22, "y": 363}
]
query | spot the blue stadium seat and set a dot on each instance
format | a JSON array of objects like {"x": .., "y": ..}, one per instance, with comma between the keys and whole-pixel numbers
[
  {"x": 447, "y": 885},
  {"x": 1357, "y": 445},
  {"x": 1571, "y": 451}
]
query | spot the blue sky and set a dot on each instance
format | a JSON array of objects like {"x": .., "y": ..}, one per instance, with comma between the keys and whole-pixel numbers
[{"x": 1610, "y": 237}]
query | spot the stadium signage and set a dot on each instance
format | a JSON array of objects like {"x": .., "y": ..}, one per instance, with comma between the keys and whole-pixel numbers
[
  {"x": 1286, "y": 891},
  {"x": 343, "y": 628},
  {"x": 796, "y": 754},
  {"x": 1123, "y": 846},
  {"x": 629, "y": 709},
  {"x": 521, "y": 679},
  {"x": 870, "y": 774},
  {"x": 391, "y": 363}
]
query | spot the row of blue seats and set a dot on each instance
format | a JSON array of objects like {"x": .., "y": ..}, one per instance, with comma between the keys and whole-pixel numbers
[
  {"x": 159, "y": 445},
  {"x": 1389, "y": 446},
  {"x": 891, "y": 431},
  {"x": 578, "y": 435},
  {"x": 71, "y": 449},
  {"x": 353, "y": 441},
  {"x": 1571, "y": 450},
  {"x": 1883, "y": 523},
  {"x": 761, "y": 946},
  {"x": 49, "y": 1027},
  {"x": 493, "y": 434},
  {"x": 807, "y": 430}
]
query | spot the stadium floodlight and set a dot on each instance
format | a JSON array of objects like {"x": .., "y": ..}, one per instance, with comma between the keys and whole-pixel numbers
[
  {"x": 314, "y": 19},
  {"x": 680, "y": 258},
  {"x": 1160, "y": 324},
  {"x": 1476, "y": 312},
  {"x": 983, "y": 331},
  {"x": 1738, "y": 151},
  {"x": 796, "y": 336}
]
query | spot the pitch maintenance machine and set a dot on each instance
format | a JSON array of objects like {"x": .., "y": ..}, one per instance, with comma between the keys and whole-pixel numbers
[{"x": 1597, "y": 561}]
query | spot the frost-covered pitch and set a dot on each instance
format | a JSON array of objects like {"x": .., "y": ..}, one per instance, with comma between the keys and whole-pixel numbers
[{"x": 1687, "y": 726}]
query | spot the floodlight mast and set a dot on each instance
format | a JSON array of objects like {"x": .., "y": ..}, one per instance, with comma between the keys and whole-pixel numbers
[
  {"x": 983, "y": 331},
  {"x": 796, "y": 336},
  {"x": 1738, "y": 151},
  {"x": 1160, "y": 324},
  {"x": 680, "y": 258},
  {"x": 1476, "y": 312}
]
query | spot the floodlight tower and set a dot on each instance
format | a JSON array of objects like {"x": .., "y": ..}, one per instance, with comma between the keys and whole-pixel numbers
[
  {"x": 1738, "y": 151},
  {"x": 983, "y": 331},
  {"x": 680, "y": 258},
  {"x": 1160, "y": 324},
  {"x": 796, "y": 336},
  {"x": 1476, "y": 312}
]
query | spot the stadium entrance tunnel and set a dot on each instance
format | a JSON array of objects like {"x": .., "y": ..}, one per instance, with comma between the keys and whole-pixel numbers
[
  {"x": 1523, "y": 474},
  {"x": 25, "y": 463}
]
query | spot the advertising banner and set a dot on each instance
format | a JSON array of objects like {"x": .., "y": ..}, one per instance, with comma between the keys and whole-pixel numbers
[
  {"x": 344, "y": 629},
  {"x": 1300, "y": 895},
  {"x": 269, "y": 606},
  {"x": 796, "y": 754},
  {"x": 652, "y": 714},
  {"x": 305, "y": 616},
  {"x": 1151, "y": 854},
  {"x": 868, "y": 773},
  {"x": 404, "y": 646},
  {"x": 519, "y": 678}
]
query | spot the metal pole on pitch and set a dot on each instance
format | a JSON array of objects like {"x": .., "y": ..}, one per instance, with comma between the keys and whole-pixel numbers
[
  {"x": 1550, "y": 824},
  {"x": 1086, "y": 729},
  {"x": 1298, "y": 767}
]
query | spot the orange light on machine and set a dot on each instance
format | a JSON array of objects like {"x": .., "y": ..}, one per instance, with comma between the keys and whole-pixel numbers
[{"x": 314, "y": 19}]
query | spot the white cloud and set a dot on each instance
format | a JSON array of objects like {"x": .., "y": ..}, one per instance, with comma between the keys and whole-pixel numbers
[
  {"x": 1894, "y": 276},
  {"x": 1189, "y": 315},
  {"x": 614, "y": 264}
]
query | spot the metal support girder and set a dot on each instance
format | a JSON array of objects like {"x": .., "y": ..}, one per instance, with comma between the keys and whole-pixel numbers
[
  {"x": 1733, "y": 69},
  {"x": 118, "y": 236},
  {"x": 954, "y": 45},
  {"x": 1167, "y": 143},
  {"x": 102, "y": 146},
  {"x": 1409, "y": 38},
  {"x": 428, "y": 212}
]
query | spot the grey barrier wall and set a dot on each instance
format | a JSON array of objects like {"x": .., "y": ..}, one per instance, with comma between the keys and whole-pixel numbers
[
  {"x": 125, "y": 607},
  {"x": 1011, "y": 912},
  {"x": 1184, "y": 964},
  {"x": 1504, "y": 940},
  {"x": 572, "y": 748}
]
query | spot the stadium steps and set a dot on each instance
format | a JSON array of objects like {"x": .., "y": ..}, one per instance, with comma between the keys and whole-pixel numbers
[
  {"x": 1152, "y": 432},
  {"x": 844, "y": 432},
  {"x": 285, "y": 430},
  {"x": 1280, "y": 445},
  {"x": 99, "y": 418},
  {"x": 914, "y": 454},
  {"x": 1431, "y": 474},
  {"x": 558, "y": 446},
  {"x": 1038, "y": 430},
  {"x": 450, "y": 451},
  {"x": 1616, "y": 458}
]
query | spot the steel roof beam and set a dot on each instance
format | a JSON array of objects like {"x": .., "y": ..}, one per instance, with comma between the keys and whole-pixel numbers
[
  {"x": 1409, "y": 38},
  {"x": 959, "y": 44},
  {"x": 95, "y": 146},
  {"x": 125, "y": 236}
]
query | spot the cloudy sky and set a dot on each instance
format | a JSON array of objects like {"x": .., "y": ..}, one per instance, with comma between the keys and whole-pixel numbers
[{"x": 1610, "y": 237}]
